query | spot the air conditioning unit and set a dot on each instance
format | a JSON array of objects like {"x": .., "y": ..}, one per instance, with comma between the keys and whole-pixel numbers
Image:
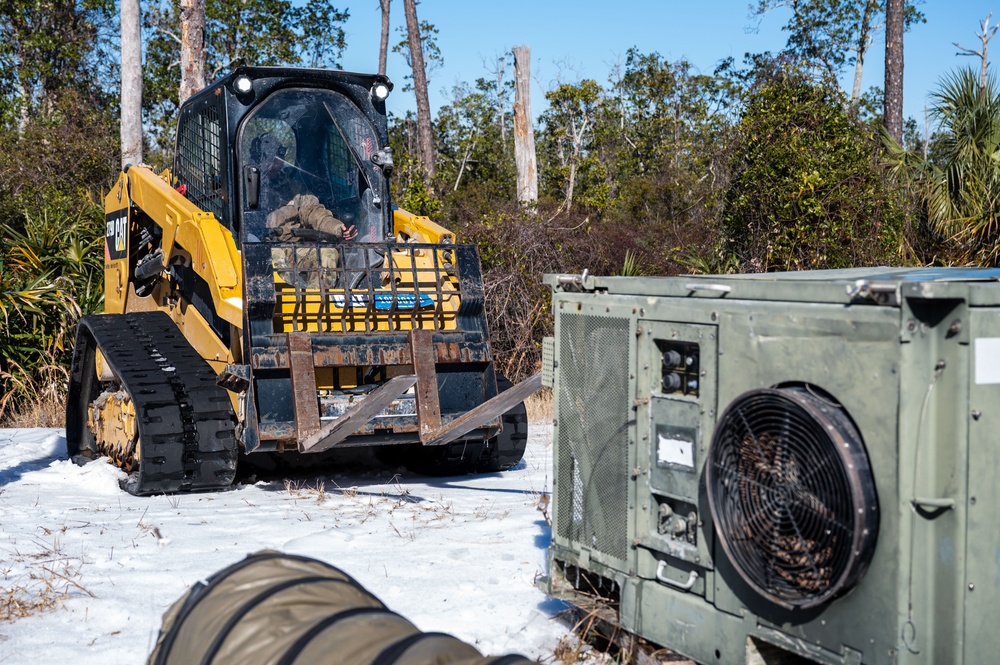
[{"x": 782, "y": 467}]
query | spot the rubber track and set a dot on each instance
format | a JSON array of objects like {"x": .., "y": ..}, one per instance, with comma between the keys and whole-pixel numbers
[{"x": 186, "y": 423}]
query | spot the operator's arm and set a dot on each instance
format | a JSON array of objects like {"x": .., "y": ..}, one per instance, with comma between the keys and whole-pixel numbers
[
  {"x": 305, "y": 211},
  {"x": 315, "y": 215}
]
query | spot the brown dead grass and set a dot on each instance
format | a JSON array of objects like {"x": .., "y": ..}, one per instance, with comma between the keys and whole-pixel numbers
[
  {"x": 541, "y": 407},
  {"x": 44, "y": 580},
  {"x": 49, "y": 410}
]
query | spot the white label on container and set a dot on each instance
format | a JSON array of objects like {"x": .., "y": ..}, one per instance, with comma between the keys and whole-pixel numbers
[
  {"x": 675, "y": 451},
  {"x": 987, "y": 359}
]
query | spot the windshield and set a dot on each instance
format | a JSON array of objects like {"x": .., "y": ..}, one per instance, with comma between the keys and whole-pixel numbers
[{"x": 296, "y": 140}]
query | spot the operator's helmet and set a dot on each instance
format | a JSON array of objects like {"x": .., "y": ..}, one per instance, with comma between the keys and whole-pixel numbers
[{"x": 265, "y": 148}]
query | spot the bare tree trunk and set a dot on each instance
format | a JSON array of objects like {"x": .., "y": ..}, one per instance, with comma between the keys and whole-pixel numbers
[
  {"x": 864, "y": 41},
  {"x": 425, "y": 134},
  {"x": 570, "y": 185},
  {"x": 524, "y": 132},
  {"x": 131, "y": 64},
  {"x": 985, "y": 36},
  {"x": 892, "y": 107},
  {"x": 24, "y": 112},
  {"x": 383, "y": 49},
  {"x": 192, "y": 48}
]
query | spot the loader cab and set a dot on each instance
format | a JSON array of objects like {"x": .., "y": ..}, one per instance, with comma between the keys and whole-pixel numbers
[
  {"x": 307, "y": 141},
  {"x": 251, "y": 141}
]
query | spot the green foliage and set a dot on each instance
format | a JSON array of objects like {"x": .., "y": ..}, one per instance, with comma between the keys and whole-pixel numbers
[
  {"x": 959, "y": 182},
  {"x": 52, "y": 177},
  {"x": 808, "y": 190},
  {"x": 827, "y": 33},
  {"x": 412, "y": 193},
  {"x": 575, "y": 169},
  {"x": 433, "y": 60},
  {"x": 51, "y": 272},
  {"x": 47, "y": 48},
  {"x": 474, "y": 139}
]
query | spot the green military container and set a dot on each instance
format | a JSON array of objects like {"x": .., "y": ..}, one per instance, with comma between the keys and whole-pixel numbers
[{"x": 782, "y": 467}]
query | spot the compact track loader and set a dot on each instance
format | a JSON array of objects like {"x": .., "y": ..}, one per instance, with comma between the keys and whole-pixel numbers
[{"x": 228, "y": 332}]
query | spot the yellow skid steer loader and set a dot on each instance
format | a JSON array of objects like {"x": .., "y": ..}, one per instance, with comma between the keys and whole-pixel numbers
[{"x": 231, "y": 325}]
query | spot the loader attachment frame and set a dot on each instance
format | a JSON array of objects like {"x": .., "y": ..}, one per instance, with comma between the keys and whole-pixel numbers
[{"x": 330, "y": 334}]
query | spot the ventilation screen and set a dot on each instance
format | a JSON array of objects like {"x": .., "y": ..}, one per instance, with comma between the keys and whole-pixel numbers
[
  {"x": 591, "y": 500},
  {"x": 198, "y": 164},
  {"x": 792, "y": 496}
]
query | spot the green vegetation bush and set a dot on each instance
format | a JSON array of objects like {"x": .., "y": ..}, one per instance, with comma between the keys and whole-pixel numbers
[
  {"x": 53, "y": 174},
  {"x": 809, "y": 187}
]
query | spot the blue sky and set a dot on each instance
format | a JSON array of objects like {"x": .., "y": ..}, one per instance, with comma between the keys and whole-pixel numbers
[{"x": 583, "y": 38}]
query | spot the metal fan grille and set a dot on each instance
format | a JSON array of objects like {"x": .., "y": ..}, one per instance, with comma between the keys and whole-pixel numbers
[{"x": 792, "y": 496}]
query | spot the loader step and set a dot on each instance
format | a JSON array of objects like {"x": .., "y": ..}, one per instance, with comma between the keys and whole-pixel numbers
[{"x": 185, "y": 422}]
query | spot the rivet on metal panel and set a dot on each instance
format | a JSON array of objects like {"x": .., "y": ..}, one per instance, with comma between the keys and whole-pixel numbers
[
  {"x": 642, "y": 311},
  {"x": 972, "y": 587},
  {"x": 715, "y": 316},
  {"x": 638, "y": 331},
  {"x": 976, "y": 414},
  {"x": 972, "y": 500},
  {"x": 955, "y": 327}
]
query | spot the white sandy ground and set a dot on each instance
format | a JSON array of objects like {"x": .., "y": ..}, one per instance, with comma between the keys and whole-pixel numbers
[{"x": 458, "y": 555}]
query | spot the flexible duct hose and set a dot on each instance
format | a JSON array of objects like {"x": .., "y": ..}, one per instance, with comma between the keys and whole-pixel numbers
[{"x": 281, "y": 609}]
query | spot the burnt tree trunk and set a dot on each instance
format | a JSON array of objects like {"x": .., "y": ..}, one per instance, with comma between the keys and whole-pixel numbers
[
  {"x": 424, "y": 132},
  {"x": 192, "y": 48},
  {"x": 131, "y": 64},
  {"x": 383, "y": 50},
  {"x": 893, "y": 101},
  {"x": 524, "y": 132}
]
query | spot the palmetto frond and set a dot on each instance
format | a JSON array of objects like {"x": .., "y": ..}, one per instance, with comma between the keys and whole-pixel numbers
[{"x": 961, "y": 190}]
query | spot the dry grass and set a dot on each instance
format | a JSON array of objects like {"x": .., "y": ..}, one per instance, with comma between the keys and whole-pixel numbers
[
  {"x": 41, "y": 583},
  {"x": 48, "y": 411},
  {"x": 47, "y": 408},
  {"x": 594, "y": 640},
  {"x": 541, "y": 407}
]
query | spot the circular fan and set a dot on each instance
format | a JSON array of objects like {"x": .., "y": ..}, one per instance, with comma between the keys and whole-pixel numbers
[{"x": 792, "y": 496}]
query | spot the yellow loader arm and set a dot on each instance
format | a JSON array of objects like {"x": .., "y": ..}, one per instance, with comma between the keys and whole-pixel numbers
[
  {"x": 415, "y": 228},
  {"x": 213, "y": 252}
]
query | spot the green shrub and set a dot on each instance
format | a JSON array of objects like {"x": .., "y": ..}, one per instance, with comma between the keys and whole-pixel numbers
[{"x": 809, "y": 188}]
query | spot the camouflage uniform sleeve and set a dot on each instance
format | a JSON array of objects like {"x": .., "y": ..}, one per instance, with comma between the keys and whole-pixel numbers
[
  {"x": 284, "y": 219},
  {"x": 314, "y": 215}
]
